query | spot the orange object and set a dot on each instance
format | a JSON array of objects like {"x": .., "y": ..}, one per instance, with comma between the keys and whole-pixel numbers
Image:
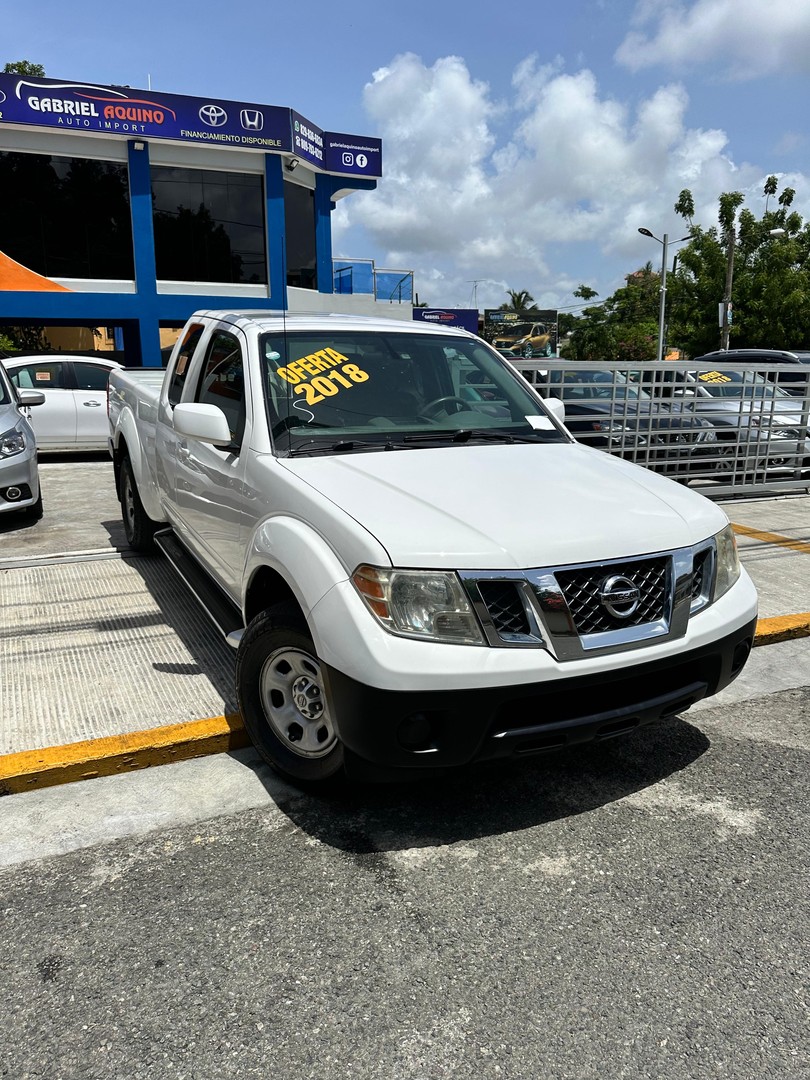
[{"x": 14, "y": 277}]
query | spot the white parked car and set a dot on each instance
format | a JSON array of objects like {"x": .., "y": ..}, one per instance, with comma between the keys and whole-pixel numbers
[
  {"x": 74, "y": 414},
  {"x": 19, "y": 476}
]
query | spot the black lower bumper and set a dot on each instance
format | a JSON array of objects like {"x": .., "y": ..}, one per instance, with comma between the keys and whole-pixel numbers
[{"x": 439, "y": 729}]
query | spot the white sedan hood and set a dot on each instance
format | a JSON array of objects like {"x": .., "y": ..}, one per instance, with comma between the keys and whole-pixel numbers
[{"x": 509, "y": 507}]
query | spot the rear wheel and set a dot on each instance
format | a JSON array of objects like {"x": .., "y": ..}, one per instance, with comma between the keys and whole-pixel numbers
[
  {"x": 139, "y": 528},
  {"x": 283, "y": 700}
]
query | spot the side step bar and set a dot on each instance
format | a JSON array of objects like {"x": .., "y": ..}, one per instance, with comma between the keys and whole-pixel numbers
[{"x": 225, "y": 615}]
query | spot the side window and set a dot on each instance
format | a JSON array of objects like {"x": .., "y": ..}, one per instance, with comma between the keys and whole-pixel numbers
[
  {"x": 90, "y": 376},
  {"x": 40, "y": 376},
  {"x": 222, "y": 381},
  {"x": 178, "y": 380}
]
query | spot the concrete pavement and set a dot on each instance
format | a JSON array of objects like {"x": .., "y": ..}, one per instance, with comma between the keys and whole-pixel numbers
[{"x": 67, "y": 713}]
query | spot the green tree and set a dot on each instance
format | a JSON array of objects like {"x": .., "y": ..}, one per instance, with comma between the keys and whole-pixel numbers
[
  {"x": 24, "y": 67},
  {"x": 519, "y": 300},
  {"x": 771, "y": 277}
]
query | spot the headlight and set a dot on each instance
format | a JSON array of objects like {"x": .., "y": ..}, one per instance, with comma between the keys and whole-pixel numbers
[
  {"x": 728, "y": 562},
  {"x": 619, "y": 433},
  {"x": 426, "y": 604},
  {"x": 11, "y": 442}
]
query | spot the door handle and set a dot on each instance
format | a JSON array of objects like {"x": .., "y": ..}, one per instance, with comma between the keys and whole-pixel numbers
[{"x": 91, "y": 404}]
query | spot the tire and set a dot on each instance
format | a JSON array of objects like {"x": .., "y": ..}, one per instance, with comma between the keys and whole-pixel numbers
[
  {"x": 527, "y": 352},
  {"x": 139, "y": 528},
  {"x": 282, "y": 698}
]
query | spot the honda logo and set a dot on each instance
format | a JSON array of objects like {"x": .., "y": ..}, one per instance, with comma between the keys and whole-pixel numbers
[{"x": 252, "y": 119}]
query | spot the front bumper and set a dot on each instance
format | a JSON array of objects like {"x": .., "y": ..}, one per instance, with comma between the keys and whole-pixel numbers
[
  {"x": 19, "y": 471},
  {"x": 446, "y": 728}
]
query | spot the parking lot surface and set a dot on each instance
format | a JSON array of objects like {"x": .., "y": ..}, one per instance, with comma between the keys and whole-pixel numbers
[
  {"x": 635, "y": 908},
  {"x": 100, "y": 648}
]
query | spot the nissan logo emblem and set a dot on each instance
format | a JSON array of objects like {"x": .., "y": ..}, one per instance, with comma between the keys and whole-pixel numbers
[{"x": 619, "y": 596}]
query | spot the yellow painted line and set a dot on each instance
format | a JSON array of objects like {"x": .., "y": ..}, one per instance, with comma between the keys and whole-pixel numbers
[
  {"x": 772, "y": 538},
  {"x": 782, "y": 628},
  {"x": 29, "y": 770}
]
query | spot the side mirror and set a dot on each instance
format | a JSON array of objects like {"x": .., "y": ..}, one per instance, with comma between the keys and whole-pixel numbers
[
  {"x": 204, "y": 422},
  {"x": 556, "y": 407},
  {"x": 31, "y": 397}
]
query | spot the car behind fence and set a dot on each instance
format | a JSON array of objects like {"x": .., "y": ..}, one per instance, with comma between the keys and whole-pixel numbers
[{"x": 730, "y": 431}]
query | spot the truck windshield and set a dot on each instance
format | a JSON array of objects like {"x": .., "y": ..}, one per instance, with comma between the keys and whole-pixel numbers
[{"x": 367, "y": 390}]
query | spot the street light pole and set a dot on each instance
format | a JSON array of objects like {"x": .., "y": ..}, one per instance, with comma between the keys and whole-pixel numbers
[
  {"x": 726, "y": 323},
  {"x": 663, "y": 306}
]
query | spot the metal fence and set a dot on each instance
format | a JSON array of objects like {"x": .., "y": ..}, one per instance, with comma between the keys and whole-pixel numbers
[{"x": 729, "y": 430}]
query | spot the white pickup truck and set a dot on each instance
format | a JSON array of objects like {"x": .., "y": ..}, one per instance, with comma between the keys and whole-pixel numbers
[{"x": 417, "y": 564}]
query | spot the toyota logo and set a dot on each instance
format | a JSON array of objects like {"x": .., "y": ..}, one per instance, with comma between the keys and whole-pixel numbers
[
  {"x": 619, "y": 596},
  {"x": 213, "y": 115}
]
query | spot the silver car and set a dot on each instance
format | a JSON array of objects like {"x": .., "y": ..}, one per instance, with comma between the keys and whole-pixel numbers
[{"x": 19, "y": 476}]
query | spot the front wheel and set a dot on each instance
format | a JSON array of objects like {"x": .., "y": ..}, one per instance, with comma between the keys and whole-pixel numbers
[
  {"x": 282, "y": 697},
  {"x": 527, "y": 351}
]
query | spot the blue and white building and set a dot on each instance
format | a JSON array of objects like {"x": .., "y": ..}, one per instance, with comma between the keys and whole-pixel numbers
[{"x": 132, "y": 208}]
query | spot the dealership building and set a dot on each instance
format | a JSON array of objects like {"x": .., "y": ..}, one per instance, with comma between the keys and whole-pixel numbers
[{"x": 129, "y": 209}]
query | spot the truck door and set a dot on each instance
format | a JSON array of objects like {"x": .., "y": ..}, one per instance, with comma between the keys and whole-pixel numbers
[{"x": 210, "y": 488}]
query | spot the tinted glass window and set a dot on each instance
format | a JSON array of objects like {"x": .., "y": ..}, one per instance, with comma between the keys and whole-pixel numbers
[
  {"x": 299, "y": 215},
  {"x": 223, "y": 382},
  {"x": 66, "y": 217},
  {"x": 209, "y": 226},
  {"x": 90, "y": 376},
  {"x": 394, "y": 388},
  {"x": 178, "y": 380},
  {"x": 42, "y": 375}
]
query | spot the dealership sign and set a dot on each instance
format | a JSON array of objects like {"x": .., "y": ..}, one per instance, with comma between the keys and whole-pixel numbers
[
  {"x": 466, "y": 318},
  {"x": 143, "y": 114}
]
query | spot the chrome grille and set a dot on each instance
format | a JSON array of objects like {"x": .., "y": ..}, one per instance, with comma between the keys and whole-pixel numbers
[
  {"x": 699, "y": 571},
  {"x": 505, "y": 607},
  {"x": 581, "y": 589}
]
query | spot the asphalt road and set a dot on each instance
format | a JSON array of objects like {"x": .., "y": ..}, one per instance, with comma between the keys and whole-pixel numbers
[{"x": 635, "y": 909}]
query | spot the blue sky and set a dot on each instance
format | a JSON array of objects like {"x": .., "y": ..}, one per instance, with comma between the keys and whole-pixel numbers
[{"x": 523, "y": 142}]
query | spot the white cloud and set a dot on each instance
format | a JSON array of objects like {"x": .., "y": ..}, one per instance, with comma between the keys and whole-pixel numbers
[
  {"x": 743, "y": 39},
  {"x": 540, "y": 193}
]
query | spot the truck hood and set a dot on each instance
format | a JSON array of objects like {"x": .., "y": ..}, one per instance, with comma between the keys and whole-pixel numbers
[{"x": 509, "y": 507}]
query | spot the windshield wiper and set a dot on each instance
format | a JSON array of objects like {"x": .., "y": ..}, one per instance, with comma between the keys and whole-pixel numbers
[
  {"x": 463, "y": 435},
  {"x": 345, "y": 446}
]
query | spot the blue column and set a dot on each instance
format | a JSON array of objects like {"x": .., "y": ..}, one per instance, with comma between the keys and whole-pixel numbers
[
  {"x": 275, "y": 240},
  {"x": 324, "y": 186},
  {"x": 143, "y": 243}
]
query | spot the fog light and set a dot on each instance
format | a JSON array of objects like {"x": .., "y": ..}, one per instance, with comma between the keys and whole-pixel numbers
[
  {"x": 416, "y": 733},
  {"x": 740, "y": 656},
  {"x": 13, "y": 494}
]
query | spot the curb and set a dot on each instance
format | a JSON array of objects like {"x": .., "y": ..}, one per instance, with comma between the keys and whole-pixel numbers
[
  {"x": 782, "y": 628},
  {"x": 31, "y": 770}
]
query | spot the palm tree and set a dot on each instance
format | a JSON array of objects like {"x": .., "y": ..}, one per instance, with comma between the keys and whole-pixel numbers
[{"x": 519, "y": 300}]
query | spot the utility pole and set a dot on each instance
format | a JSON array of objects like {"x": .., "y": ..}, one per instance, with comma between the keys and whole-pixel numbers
[{"x": 725, "y": 323}]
